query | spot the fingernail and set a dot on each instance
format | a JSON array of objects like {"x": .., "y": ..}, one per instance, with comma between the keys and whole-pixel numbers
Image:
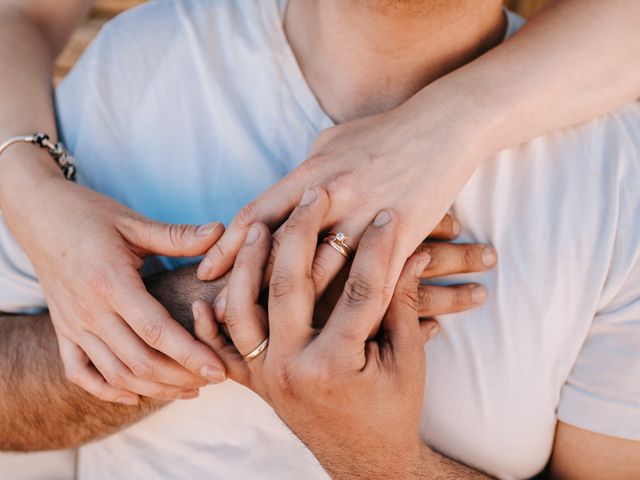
[
  {"x": 213, "y": 374},
  {"x": 423, "y": 265},
  {"x": 220, "y": 305},
  {"x": 128, "y": 400},
  {"x": 205, "y": 230},
  {"x": 382, "y": 219},
  {"x": 188, "y": 394},
  {"x": 488, "y": 257},
  {"x": 433, "y": 331},
  {"x": 252, "y": 236},
  {"x": 205, "y": 267},
  {"x": 196, "y": 311},
  {"x": 478, "y": 295},
  {"x": 309, "y": 196},
  {"x": 457, "y": 228}
]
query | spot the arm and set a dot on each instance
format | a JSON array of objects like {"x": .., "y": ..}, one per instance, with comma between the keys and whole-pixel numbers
[
  {"x": 32, "y": 34},
  {"x": 44, "y": 411},
  {"x": 580, "y": 454},
  {"x": 574, "y": 60}
]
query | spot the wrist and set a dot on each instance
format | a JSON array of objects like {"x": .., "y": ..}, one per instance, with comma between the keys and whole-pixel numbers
[
  {"x": 470, "y": 116},
  {"x": 24, "y": 167}
]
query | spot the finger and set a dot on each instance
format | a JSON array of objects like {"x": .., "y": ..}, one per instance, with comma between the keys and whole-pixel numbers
[
  {"x": 401, "y": 324},
  {"x": 144, "y": 361},
  {"x": 271, "y": 208},
  {"x": 245, "y": 317},
  {"x": 170, "y": 239},
  {"x": 436, "y": 300},
  {"x": 291, "y": 289},
  {"x": 452, "y": 258},
  {"x": 153, "y": 324},
  {"x": 429, "y": 328},
  {"x": 328, "y": 261},
  {"x": 367, "y": 290},
  {"x": 208, "y": 332},
  {"x": 79, "y": 371},
  {"x": 448, "y": 229},
  {"x": 119, "y": 376}
]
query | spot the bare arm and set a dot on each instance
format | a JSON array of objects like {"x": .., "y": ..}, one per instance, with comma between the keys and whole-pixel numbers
[
  {"x": 32, "y": 34},
  {"x": 574, "y": 60},
  {"x": 39, "y": 408},
  {"x": 584, "y": 455}
]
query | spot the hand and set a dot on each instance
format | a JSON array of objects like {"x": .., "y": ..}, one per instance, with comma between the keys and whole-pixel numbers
[
  {"x": 389, "y": 160},
  {"x": 354, "y": 402},
  {"x": 116, "y": 341},
  {"x": 444, "y": 259}
]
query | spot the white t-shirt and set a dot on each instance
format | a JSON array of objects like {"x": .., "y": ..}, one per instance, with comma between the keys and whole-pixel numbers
[{"x": 186, "y": 110}]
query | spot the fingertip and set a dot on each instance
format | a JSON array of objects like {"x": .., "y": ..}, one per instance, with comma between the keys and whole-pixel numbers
[
  {"x": 205, "y": 269},
  {"x": 220, "y": 305},
  {"x": 478, "y": 295},
  {"x": 456, "y": 228},
  {"x": 129, "y": 400},
  {"x": 429, "y": 329},
  {"x": 489, "y": 257},
  {"x": 213, "y": 229}
]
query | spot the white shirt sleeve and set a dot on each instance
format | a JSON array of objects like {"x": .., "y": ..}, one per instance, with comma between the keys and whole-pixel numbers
[
  {"x": 20, "y": 291},
  {"x": 602, "y": 393}
]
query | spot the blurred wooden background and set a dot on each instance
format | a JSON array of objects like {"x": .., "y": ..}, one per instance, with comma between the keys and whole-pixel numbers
[{"x": 106, "y": 9}]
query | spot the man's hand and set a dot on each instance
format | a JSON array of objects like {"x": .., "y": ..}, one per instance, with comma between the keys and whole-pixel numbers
[{"x": 355, "y": 403}]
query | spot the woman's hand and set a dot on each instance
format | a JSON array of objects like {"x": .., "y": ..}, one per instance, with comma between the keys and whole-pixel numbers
[
  {"x": 377, "y": 162},
  {"x": 354, "y": 402},
  {"x": 115, "y": 339}
]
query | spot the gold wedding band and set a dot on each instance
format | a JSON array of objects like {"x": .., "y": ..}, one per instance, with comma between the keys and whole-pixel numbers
[
  {"x": 256, "y": 351},
  {"x": 337, "y": 240}
]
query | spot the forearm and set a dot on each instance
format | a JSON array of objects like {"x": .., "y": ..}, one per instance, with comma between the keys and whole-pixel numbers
[
  {"x": 574, "y": 60},
  {"x": 434, "y": 466},
  {"x": 32, "y": 33},
  {"x": 39, "y": 408}
]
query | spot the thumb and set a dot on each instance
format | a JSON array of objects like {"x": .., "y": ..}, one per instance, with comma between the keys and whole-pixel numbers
[{"x": 174, "y": 240}]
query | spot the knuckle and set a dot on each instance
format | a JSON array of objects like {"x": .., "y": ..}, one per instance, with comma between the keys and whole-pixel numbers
[
  {"x": 114, "y": 379},
  {"x": 142, "y": 369},
  {"x": 470, "y": 256},
  {"x": 152, "y": 334},
  {"x": 292, "y": 226},
  {"x": 281, "y": 284},
  {"x": 425, "y": 300},
  {"x": 410, "y": 297},
  {"x": 358, "y": 290},
  {"x": 323, "y": 376},
  {"x": 177, "y": 234},
  {"x": 319, "y": 269},
  {"x": 247, "y": 215},
  {"x": 185, "y": 357}
]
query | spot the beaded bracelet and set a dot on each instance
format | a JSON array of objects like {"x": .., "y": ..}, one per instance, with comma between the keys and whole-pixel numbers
[{"x": 58, "y": 152}]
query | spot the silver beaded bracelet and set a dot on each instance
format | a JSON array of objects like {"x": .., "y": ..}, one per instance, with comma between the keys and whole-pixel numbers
[{"x": 58, "y": 152}]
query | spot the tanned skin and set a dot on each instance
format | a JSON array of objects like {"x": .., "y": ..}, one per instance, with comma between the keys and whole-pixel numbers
[{"x": 40, "y": 409}]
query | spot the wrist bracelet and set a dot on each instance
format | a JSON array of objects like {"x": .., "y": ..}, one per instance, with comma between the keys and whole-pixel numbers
[{"x": 58, "y": 152}]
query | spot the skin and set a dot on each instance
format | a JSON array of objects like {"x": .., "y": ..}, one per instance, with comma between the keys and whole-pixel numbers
[
  {"x": 548, "y": 67},
  {"x": 32, "y": 32},
  {"x": 46, "y": 411},
  {"x": 355, "y": 399}
]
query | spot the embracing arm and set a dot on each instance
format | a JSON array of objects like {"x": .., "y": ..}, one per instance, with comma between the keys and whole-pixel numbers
[
  {"x": 39, "y": 408},
  {"x": 574, "y": 60},
  {"x": 32, "y": 34}
]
